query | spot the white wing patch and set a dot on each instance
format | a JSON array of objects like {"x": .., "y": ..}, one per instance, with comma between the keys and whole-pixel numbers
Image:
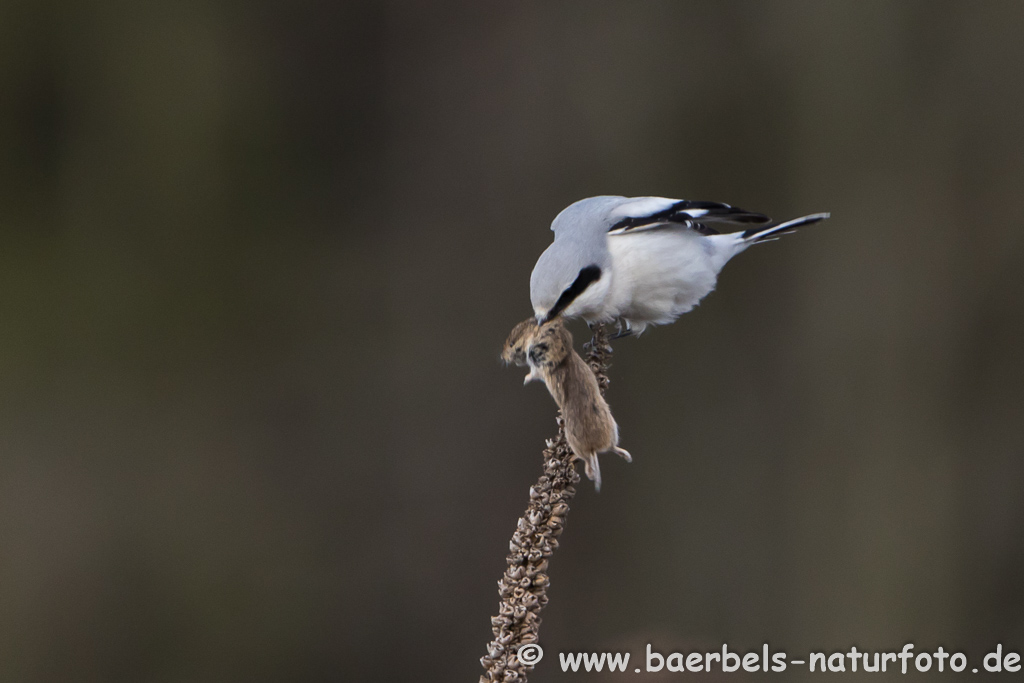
[
  {"x": 633, "y": 229},
  {"x": 642, "y": 207}
]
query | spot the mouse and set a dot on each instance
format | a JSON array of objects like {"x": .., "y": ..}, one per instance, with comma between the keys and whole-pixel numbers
[
  {"x": 590, "y": 428},
  {"x": 514, "y": 351}
]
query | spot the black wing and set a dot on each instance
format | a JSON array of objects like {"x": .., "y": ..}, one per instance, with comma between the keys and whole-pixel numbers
[{"x": 693, "y": 214}]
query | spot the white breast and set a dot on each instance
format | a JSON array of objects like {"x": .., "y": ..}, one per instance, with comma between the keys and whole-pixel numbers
[{"x": 657, "y": 275}]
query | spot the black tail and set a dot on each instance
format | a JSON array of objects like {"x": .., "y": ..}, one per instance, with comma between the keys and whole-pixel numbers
[{"x": 759, "y": 234}]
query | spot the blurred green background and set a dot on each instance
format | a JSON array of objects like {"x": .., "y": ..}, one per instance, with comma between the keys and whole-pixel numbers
[{"x": 257, "y": 261}]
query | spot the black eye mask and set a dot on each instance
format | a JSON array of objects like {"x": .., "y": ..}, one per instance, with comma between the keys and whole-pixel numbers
[{"x": 591, "y": 273}]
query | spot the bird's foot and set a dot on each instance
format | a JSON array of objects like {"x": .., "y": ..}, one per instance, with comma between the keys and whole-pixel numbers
[
  {"x": 622, "y": 330},
  {"x": 620, "y": 334}
]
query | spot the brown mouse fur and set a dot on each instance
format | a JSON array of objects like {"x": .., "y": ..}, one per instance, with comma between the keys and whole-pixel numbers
[
  {"x": 517, "y": 342},
  {"x": 590, "y": 428}
]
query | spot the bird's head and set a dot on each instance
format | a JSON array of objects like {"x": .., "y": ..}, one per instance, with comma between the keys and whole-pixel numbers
[
  {"x": 573, "y": 273},
  {"x": 562, "y": 283}
]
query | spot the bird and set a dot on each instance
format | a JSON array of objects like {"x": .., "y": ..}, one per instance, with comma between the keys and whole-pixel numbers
[
  {"x": 642, "y": 261},
  {"x": 590, "y": 428}
]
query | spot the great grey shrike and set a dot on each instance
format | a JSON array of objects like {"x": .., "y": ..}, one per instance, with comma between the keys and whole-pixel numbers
[{"x": 642, "y": 260}]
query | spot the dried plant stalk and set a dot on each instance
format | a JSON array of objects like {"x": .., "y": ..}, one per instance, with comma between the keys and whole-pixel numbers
[{"x": 523, "y": 588}]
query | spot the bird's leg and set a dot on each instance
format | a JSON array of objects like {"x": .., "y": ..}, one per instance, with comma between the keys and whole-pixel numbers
[
  {"x": 620, "y": 334},
  {"x": 593, "y": 329},
  {"x": 622, "y": 330}
]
